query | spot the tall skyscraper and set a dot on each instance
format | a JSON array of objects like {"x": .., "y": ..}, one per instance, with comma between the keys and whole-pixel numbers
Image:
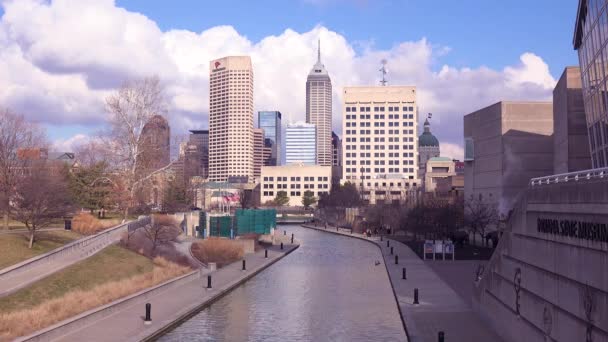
[
  {"x": 270, "y": 122},
  {"x": 379, "y": 145},
  {"x": 230, "y": 118},
  {"x": 258, "y": 151},
  {"x": 300, "y": 143},
  {"x": 196, "y": 161},
  {"x": 336, "y": 146},
  {"x": 318, "y": 109}
]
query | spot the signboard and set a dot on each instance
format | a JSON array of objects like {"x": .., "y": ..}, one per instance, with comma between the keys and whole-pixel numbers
[
  {"x": 428, "y": 246},
  {"x": 438, "y": 246}
]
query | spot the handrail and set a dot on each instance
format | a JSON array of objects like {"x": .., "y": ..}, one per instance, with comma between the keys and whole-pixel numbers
[{"x": 570, "y": 177}]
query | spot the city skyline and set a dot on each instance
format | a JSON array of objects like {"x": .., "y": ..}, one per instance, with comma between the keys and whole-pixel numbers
[{"x": 439, "y": 70}]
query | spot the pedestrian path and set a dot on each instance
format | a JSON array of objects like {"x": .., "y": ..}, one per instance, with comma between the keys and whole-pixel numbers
[
  {"x": 127, "y": 323},
  {"x": 440, "y": 308}
]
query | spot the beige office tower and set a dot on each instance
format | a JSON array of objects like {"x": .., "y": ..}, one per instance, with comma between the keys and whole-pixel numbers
[
  {"x": 231, "y": 119},
  {"x": 318, "y": 109},
  {"x": 380, "y": 142}
]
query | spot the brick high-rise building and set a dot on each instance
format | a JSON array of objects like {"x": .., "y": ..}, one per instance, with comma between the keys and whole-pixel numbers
[{"x": 231, "y": 118}]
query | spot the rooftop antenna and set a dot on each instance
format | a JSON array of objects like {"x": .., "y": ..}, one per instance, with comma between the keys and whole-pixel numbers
[
  {"x": 384, "y": 71},
  {"x": 319, "y": 50}
]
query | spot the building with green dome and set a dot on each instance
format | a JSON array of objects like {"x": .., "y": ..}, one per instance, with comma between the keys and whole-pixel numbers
[{"x": 428, "y": 147}]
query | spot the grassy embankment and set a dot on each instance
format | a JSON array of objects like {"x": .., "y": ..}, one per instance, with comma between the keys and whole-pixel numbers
[
  {"x": 14, "y": 246},
  {"x": 110, "y": 274}
]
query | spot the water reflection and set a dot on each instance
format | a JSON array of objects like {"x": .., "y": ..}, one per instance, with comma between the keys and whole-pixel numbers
[{"x": 327, "y": 290}]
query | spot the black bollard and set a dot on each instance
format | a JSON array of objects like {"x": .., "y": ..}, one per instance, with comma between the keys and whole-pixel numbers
[
  {"x": 148, "y": 319},
  {"x": 244, "y": 267},
  {"x": 209, "y": 281},
  {"x": 292, "y": 238},
  {"x": 403, "y": 275},
  {"x": 284, "y": 232},
  {"x": 391, "y": 250},
  {"x": 387, "y": 243},
  {"x": 441, "y": 336},
  {"x": 266, "y": 253},
  {"x": 396, "y": 260},
  {"x": 281, "y": 245},
  {"x": 416, "y": 296}
]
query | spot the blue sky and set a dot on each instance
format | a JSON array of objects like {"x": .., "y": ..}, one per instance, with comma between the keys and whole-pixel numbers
[
  {"x": 479, "y": 32},
  {"x": 61, "y": 58}
]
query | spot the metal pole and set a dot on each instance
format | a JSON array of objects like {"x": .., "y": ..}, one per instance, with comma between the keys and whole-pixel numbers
[
  {"x": 396, "y": 260},
  {"x": 441, "y": 336},
  {"x": 244, "y": 267},
  {"x": 403, "y": 275},
  {"x": 209, "y": 281},
  {"x": 148, "y": 319},
  {"x": 416, "y": 296},
  {"x": 266, "y": 253}
]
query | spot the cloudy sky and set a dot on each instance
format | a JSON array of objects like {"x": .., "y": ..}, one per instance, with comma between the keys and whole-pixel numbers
[{"x": 59, "y": 59}]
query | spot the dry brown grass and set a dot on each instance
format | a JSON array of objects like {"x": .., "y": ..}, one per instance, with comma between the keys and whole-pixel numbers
[
  {"x": 24, "y": 322},
  {"x": 220, "y": 251},
  {"x": 87, "y": 224}
]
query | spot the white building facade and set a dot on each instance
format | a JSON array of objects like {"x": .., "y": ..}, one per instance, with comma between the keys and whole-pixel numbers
[
  {"x": 380, "y": 141},
  {"x": 231, "y": 118},
  {"x": 295, "y": 180}
]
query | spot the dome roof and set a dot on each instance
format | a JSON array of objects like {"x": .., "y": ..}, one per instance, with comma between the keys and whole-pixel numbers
[{"x": 427, "y": 138}]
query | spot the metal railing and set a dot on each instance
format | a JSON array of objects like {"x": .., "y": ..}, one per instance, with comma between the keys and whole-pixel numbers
[{"x": 570, "y": 177}]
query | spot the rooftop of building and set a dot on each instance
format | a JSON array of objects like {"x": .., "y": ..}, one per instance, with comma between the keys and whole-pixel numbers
[{"x": 441, "y": 159}]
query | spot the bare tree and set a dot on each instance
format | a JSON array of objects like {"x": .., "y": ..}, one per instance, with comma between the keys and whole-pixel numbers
[
  {"x": 245, "y": 198},
  {"x": 40, "y": 198},
  {"x": 479, "y": 215},
  {"x": 162, "y": 230},
  {"x": 15, "y": 134},
  {"x": 130, "y": 108}
]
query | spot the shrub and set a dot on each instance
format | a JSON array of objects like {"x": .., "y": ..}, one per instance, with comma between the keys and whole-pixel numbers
[
  {"x": 19, "y": 323},
  {"x": 220, "y": 251},
  {"x": 87, "y": 224}
]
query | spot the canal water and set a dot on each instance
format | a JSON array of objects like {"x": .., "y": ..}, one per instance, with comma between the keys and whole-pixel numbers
[{"x": 329, "y": 289}]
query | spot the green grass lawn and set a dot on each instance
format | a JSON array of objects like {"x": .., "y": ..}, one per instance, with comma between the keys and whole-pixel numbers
[
  {"x": 111, "y": 264},
  {"x": 14, "y": 246}
]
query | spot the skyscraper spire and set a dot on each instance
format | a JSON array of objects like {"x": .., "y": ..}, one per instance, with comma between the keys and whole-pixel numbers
[{"x": 319, "y": 51}]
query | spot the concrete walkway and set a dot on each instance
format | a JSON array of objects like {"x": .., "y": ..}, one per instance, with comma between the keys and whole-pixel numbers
[
  {"x": 126, "y": 324},
  {"x": 440, "y": 308}
]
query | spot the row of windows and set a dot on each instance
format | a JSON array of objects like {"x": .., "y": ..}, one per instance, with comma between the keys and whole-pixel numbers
[
  {"x": 379, "y": 147},
  {"x": 292, "y": 193},
  {"x": 378, "y": 131},
  {"x": 296, "y": 179},
  {"x": 380, "y": 124},
  {"x": 380, "y": 162},
  {"x": 381, "y": 170},
  {"x": 379, "y": 139},
  {"x": 378, "y": 116},
  {"x": 382, "y": 155},
  {"x": 379, "y": 109}
]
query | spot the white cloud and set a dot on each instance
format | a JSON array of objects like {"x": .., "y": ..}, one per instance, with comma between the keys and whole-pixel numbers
[
  {"x": 59, "y": 59},
  {"x": 70, "y": 144},
  {"x": 451, "y": 150}
]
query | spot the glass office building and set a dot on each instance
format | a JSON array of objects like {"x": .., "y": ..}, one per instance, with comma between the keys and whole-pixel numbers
[
  {"x": 270, "y": 122},
  {"x": 300, "y": 144},
  {"x": 590, "y": 37}
]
